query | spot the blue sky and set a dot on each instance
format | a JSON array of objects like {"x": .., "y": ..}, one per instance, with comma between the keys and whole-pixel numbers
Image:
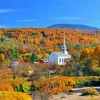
[{"x": 43, "y": 13}]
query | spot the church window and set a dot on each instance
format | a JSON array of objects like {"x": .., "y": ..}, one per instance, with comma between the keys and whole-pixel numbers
[
  {"x": 62, "y": 60},
  {"x": 59, "y": 59}
]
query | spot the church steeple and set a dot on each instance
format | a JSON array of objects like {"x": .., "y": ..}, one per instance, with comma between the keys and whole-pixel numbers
[
  {"x": 64, "y": 38},
  {"x": 64, "y": 48}
]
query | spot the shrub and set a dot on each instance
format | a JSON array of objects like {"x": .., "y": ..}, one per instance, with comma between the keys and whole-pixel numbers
[
  {"x": 80, "y": 82},
  {"x": 5, "y": 75},
  {"x": 6, "y": 87},
  {"x": 87, "y": 81},
  {"x": 55, "y": 85},
  {"x": 17, "y": 81},
  {"x": 5, "y": 95},
  {"x": 23, "y": 87},
  {"x": 90, "y": 91}
]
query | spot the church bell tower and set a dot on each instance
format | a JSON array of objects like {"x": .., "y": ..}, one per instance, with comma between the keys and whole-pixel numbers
[{"x": 64, "y": 48}]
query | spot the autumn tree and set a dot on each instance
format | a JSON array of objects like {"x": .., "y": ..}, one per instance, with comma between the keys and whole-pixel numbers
[
  {"x": 36, "y": 75},
  {"x": 8, "y": 95},
  {"x": 90, "y": 59},
  {"x": 2, "y": 57},
  {"x": 5, "y": 75},
  {"x": 22, "y": 70},
  {"x": 22, "y": 51},
  {"x": 88, "y": 52}
]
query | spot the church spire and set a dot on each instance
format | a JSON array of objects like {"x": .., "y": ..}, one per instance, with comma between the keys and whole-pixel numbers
[
  {"x": 64, "y": 48},
  {"x": 64, "y": 37}
]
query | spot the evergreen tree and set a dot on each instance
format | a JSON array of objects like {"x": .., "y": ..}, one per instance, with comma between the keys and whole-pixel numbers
[
  {"x": 14, "y": 54},
  {"x": 33, "y": 58}
]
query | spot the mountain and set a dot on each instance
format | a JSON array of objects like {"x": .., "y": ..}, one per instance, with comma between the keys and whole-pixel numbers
[{"x": 74, "y": 27}]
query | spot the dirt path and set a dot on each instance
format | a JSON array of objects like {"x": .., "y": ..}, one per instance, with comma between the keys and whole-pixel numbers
[
  {"x": 76, "y": 90},
  {"x": 75, "y": 96}
]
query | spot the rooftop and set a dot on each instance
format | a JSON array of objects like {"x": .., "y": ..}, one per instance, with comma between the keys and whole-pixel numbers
[{"x": 60, "y": 54}]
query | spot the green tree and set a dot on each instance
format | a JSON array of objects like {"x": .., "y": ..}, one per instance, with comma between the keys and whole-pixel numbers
[
  {"x": 14, "y": 54},
  {"x": 33, "y": 58}
]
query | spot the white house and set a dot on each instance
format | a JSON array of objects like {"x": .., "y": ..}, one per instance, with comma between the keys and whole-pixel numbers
[{"x": 59, "y": 58}]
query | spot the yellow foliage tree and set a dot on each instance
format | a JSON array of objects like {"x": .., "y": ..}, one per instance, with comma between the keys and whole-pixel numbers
[
  {"x": 55, "y": 85},
  {"x": 6, "y": 95},
  {"x": 97, "y": 52},
  {"x": 88, "y": 52},
  {"x": 2, "y": 57}
]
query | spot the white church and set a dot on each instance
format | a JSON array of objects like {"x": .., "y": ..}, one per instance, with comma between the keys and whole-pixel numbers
[{"x": 59, "y": 58}]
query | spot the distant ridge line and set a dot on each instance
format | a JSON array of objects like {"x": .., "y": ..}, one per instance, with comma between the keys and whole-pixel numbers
[{"x": 74, "y": 27}]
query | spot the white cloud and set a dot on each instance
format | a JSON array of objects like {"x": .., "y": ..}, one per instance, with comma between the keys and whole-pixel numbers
[
  {"x": 27, "y": 20},
  {"x": 66, "y": 18},
  {"x": 2, "y": 26},
  {"x": 7, "y": 10}
]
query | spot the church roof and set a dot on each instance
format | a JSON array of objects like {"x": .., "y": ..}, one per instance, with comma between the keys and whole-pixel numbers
[{"x": 60, "y": 54}]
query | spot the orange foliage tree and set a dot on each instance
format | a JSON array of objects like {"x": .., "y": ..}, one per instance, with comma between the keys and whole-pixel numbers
[
  {"x": 88, "y": 52},
  {"x": 42, "y": 40},
  {"x": 55, "y": 85},
  {"x": 6, "y": 87},
  {"x": 5, "y": 75}
]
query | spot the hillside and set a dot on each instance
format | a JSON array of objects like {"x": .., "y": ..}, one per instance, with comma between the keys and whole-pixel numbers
[
  {"x": 74, "y": 27},
  {"x": 43, "y": 41}
]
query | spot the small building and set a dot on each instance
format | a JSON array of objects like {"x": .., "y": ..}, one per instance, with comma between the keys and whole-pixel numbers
[
  {"x": 44, "y": 61},
  {"x": 14, "y": 64},
  {"x": 60, "y": 58}
]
